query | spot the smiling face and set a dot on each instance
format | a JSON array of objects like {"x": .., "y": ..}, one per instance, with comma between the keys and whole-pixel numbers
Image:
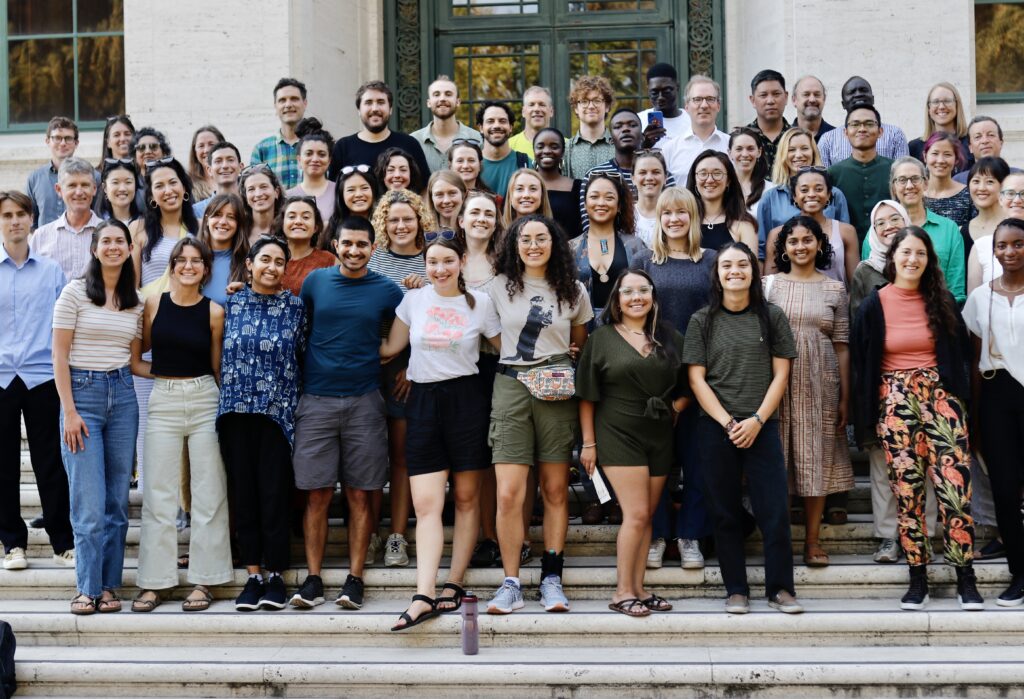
[
  {"x": 648, "y": 176},
  {"x": 1008, "y": 245},
  {"x": 744, "y": 153},
  {"x": 535, "y": 243},
  {"x": 77, "y": 191},
  {"x": 811, "y": 193},
  {"x": 148, "y": 148},
  {"x": 299, "y": 222},
  {"x": 396, "y": 174},
  {"x": 702, "y": 104},
  {"x": 205, "y": 140},
  {"x": 769, "y": 100},
  {"x": 447, "y": 200},
  {"x": 112, "y": 247},
  {"x": 119, "y": 186},
  {"x": 985, "y": 139},
  {"x": 443, "y": 268},
  {"x": 809, "y": 98},
  {"x": 734, "y": 270},
  {"x": 910, "y": 259},
  {"x": 443, "y": 98},
  {"x": 664, "y": 94},
  {"x": 354, "y": 249},
  {"x": 1011, "y": 195},
  {"x": 863, "y": 129},
  {"x": 402, "y": 226},
  {"x": 942, "y": 109},
  {"x": 626, "y": 131},
  {"x": 119, "y": 140},
  {"x": 602, "y": 202},
  {"x": 802, "y": 247},
  {"x": 887, "y": 222},
  {"x": 15, "y": 223},
  {"x": 940, "y": 159},
  {"x": 712, "y": 179},
  {"x": 527, "y": 195},
  {"x": 374, "y": 111},
  {"x": 537, "y": 109},
  {"x": 167, "y": 189},
  {"x": 800, "y": 153},
  {"x": 314, "y": 159},
  {"x": 675, "y": 223},
  {"x": 357, "y": 195},
  {"x": 592, "y": 109},
  {"x": 857, "y": 90},
  {"x": 260, "y": 193},
  {"x": 495, "y": 126},
  {"x": 549, "y": 150},
  {"x": 222, "y": 224},
  {"x": 267, "y": 268},
  {"x": 466, "y": 163},
  {"x": 188, "y": 269},
  {"x": 984, "y": 189},
  {"x": 62, "y": 143},
  {"x": 479, "y": 219},
  {"x": 225, "y": 166},
  {"x": 636, "y": 297},
  {"x": 289, "y": 105},
  {"x": 908, "y": 185}
]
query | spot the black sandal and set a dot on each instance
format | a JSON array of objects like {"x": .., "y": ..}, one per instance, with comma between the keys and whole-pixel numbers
[
  {"x": 657, "y": 604},
  {"x": 455, "y": 599},
  {"x": 425, "y": 616},
  {"x": 630, "y": 607}
]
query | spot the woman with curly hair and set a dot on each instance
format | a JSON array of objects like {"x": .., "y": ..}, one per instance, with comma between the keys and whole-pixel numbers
[
  {"x": 911, "y": 351},
  {"x": 315, "y": 146},
  {"x": 543, "y": 308},
  {"x": 396, "y": 169},
  {"x": 812, "y": 416},
  {"x": 400, "y": 222}
]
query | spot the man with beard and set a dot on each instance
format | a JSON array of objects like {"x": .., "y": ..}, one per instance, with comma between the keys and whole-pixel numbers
[
  {"x": 281, "y": 151},
  {"x": 495, "y": 120},
  {"x": 374, "y": 101},
  {"x": 703, "y": 99},
  {"x": 538, "y": 111},
  {"x": 835, "y": 145},
  {"x": 809, "y": 100},
  {"x": 436, "y": 137},
  {"x": 663, "y": 89}
]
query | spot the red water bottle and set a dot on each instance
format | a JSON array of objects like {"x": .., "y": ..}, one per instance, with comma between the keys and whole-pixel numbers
[{"x": 470, "y": 627}]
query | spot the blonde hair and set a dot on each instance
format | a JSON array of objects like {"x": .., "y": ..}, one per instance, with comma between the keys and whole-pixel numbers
[
  {"x": 509, "y": 213},
  {"x": 780, "y": 170},
  {"x": 448, "y": 177},
  {"x": 424, "y": 218},
  {"x": 679, "y": 197},
  {"x": 961, "y": 118}
]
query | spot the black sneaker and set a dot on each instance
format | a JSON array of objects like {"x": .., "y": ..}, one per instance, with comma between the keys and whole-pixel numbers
[
  {"x": 917, "y": 594},
  {"x": 486, "y": 555},
  {"x": 351, "y": 595},
  {"x": 993, "y": 549},
  {"x": 525, "y": 555},
  {"x": 275, "y": 597},
  {"x": 967, "y": 590},
  {"x": 249, "y": 600},
  {"x": 311, "y": 594},
  {"x": 1013, "y": 596}
]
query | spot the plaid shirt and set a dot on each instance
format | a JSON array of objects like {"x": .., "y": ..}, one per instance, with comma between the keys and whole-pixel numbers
[
  {"x": 283, "y": 159},
  {"x": 582, "y": 156}
]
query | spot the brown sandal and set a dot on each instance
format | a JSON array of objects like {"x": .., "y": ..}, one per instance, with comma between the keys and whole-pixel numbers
[
  {"x": 201, "y": 604},
  {"x": 83, "y": 604},
  {"x": 630, "y": 607},
  {"x": 146, "y": 605},
  {"x": 815, "y": 557},
  {"x": 106, "y": 605}
]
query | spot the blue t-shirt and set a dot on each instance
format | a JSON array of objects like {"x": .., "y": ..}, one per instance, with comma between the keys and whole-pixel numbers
[
  {"x": 345, "y": 316},
  {"x": 216, "y": 286}
]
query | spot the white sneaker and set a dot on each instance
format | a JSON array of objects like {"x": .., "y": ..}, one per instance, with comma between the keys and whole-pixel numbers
[
  {"x": 15, "y": 559},
  {"x": 888, "y": 551},
  {"x": 656, "y": 553},
  {"x": 396, "y": 551},
  {"x": 66, "y": 559},
  {"x": 690, "y": 557},
  {"x": 375, "y": 550}
]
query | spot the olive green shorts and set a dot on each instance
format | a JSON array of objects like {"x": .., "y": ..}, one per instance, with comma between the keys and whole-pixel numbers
[{"x": 525, "y": 430}]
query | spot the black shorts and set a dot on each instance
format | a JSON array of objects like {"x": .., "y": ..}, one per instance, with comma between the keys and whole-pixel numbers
[{"x": 447, "y": 426}]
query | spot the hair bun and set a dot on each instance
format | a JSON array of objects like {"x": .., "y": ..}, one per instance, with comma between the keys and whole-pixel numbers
[{"x": 308, "y": 125}]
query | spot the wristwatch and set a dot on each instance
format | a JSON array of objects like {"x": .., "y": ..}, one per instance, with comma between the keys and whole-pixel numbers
[{"x": 758, "y": 418}]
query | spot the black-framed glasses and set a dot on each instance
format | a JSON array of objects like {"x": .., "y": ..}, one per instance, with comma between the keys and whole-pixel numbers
[
  {"x": 119, "y": 161},
  {"x": 446, "y": 234},
  {"x": 150, "y": 164},
  {"x": 349, "y": 169}
]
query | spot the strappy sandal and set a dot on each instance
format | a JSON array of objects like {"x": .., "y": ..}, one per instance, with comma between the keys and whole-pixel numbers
[
  {"x": 657, "y": 604},
  {"x": 191, "y": 604},
  {"x": 110, "y": 604},
  {"x": 83, "y": 605},
  {"x": 146, "y": 605},
  {"x": 815, "y": 557},
  {"x": 630, "y": 607},
  {"x": 455, "y": 599},
  {"x": 425, "y": 616},
  {"x": 183, "y": 562}
]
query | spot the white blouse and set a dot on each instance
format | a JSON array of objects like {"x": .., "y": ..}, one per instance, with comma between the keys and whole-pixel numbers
[{"x": 1000, "y": 326}]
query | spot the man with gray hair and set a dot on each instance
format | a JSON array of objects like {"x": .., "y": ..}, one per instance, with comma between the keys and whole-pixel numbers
[
  {"x": 538, "y": 111},
  {"x": 809, "y": 100},
  {"x": 67, "y": 240},
  {"x": 702, "y": 99}
]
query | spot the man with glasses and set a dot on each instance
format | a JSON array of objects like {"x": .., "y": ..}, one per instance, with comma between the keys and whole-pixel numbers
[
  {"x": 864, "y": 176},
  {"x": 62, "y": 140},
  {"x": 225, "y": 164},
  {"x": 985, "y": 136},
  {"x": 374, "y": 100},
  {"x": 538, "y": 111},
  {"x": 67, "y": 239},
  {"x": 281, "y": 151},
  {"x": 809, "y": 100},
  {"x": 703, "y": 102},
  {"x": 663, "y": 90},
  {"x": 436, "y": 137},
  {"x": 591, "y": 98},
  {"x": 835, "y": 145},
  {"x": 768, "y": 95}
]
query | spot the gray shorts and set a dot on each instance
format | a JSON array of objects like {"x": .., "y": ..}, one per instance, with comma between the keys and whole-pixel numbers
[{"x": 341, "y": 439}]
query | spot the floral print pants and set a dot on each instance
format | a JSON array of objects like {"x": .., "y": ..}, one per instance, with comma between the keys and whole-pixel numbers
[{"x": 923, "y": 431}]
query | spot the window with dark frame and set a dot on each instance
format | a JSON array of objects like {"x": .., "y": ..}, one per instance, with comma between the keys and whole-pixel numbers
[{"x": 999, "y": 50}]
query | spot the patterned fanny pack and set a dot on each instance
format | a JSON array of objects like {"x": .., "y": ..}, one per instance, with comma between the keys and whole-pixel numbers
[{"x": 549, "y": 382}]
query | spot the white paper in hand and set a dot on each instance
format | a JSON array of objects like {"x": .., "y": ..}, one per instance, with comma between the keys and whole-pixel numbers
[{"x": 600, "y": 487}]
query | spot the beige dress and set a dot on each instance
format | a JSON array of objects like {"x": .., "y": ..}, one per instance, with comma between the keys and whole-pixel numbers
[{"x": 817, "y": 454}]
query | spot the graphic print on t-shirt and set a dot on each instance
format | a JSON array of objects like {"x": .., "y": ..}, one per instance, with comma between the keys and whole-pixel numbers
[
  {"x": 443, "y": 330},
  {"x": 538, "y": 319}
]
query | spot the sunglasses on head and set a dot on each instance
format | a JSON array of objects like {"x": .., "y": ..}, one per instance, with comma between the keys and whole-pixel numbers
[
  {"x": 118, "y": 117},
  {"x": 446, "y": 234},
  {"x": 122, "y": 161},
  {"x": 349, "y": 169},
  {"x": 150, "y": 164},
  {"x": 258, "y": 167},
  {"x": 463, "y": 141}
]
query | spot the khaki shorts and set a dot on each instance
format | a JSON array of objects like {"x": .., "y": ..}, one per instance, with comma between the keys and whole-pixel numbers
[{"x": 525, "y": 430}]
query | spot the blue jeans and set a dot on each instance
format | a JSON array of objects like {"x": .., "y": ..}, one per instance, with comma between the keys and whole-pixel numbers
[{"x": 99, "y": 475}]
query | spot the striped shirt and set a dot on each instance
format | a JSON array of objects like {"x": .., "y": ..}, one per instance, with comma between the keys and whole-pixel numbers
[
  {"x": 64, "y": 245},
  {"x": 397, "y": 267},
  {"x": 282, "y": 157},
  {"x": 835, "y": 146},
  {"x": 102, "y": 337}
]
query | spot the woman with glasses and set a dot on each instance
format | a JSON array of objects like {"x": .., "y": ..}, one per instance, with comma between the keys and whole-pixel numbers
[
  {"x": 396, "y": 169},
  {"x": 751, "y": 168},
  {"x": 944, "y": 155},
  {"x": 184, "y": 330},
  {"x": 204, "y": 138},
  {"x": 355, "y": 195},
  {"x": 723, "y": 211},
  {"x": 982, "y": 265},
  {"x": 812, "y": 190},
  {"x": 983, "y": 183},
  {"x": 264, "y": 336},
  {"x": 631, "y": 382},
  {"x": 118, "y": 186},
  {"x": 97, "y": 325},
  {"x": 526, "y": 195},
  {"x": 117, "y": 138},
  {"x": 543, "y": 308},
  {"x": 797, "y": 149},
  {"x": 262, "y": 196},
  {"x": 563, "y": 192},
  {"x": 443, "y": 324},
  {"x": 225, "y": 230},
  {"x": 400, "y": 220},
  {"x": 944, "y": 111},
  {"x": 315, "y": 146},
  {"x": 908, "y": 180},
  {"x": 650, "y": 174},
  {"x": 445, "y": 194}
]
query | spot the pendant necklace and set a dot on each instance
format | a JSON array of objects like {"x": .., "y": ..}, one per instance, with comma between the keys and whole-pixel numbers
[
  {"x": 711, "y": 224},
  {"x": 999, "y": 281},
  {"x": 604, "y": 251}
]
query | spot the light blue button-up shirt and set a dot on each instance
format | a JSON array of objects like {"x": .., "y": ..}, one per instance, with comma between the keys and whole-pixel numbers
[{"x": 27, "y": 296}]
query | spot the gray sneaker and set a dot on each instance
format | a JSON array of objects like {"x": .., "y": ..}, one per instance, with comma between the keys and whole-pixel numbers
[
  {"x": 690, "y": 556},
  {"x": 396, "y": 551},
  {"x": 888, "y": 551},
  {"x": 375, "y": 551},
  {"x": 507, "y": 599},
  {"x": 552, "y": 598}
]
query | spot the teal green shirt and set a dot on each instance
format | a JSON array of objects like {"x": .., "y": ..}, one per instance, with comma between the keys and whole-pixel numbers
[{"x": 864, "y": 184}]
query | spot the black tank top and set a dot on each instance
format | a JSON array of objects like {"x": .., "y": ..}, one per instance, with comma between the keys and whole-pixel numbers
[
  {"x": 181, "y": 339},
  {"x": 715, "y": 237},
  {"x": 599, "y": 290}
]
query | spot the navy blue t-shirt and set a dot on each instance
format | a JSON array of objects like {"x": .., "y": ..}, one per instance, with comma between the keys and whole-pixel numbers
[{"x": 345, "y": 315}]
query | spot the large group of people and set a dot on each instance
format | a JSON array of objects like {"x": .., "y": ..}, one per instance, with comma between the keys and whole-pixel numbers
[{"x": 462, "y": 313}]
